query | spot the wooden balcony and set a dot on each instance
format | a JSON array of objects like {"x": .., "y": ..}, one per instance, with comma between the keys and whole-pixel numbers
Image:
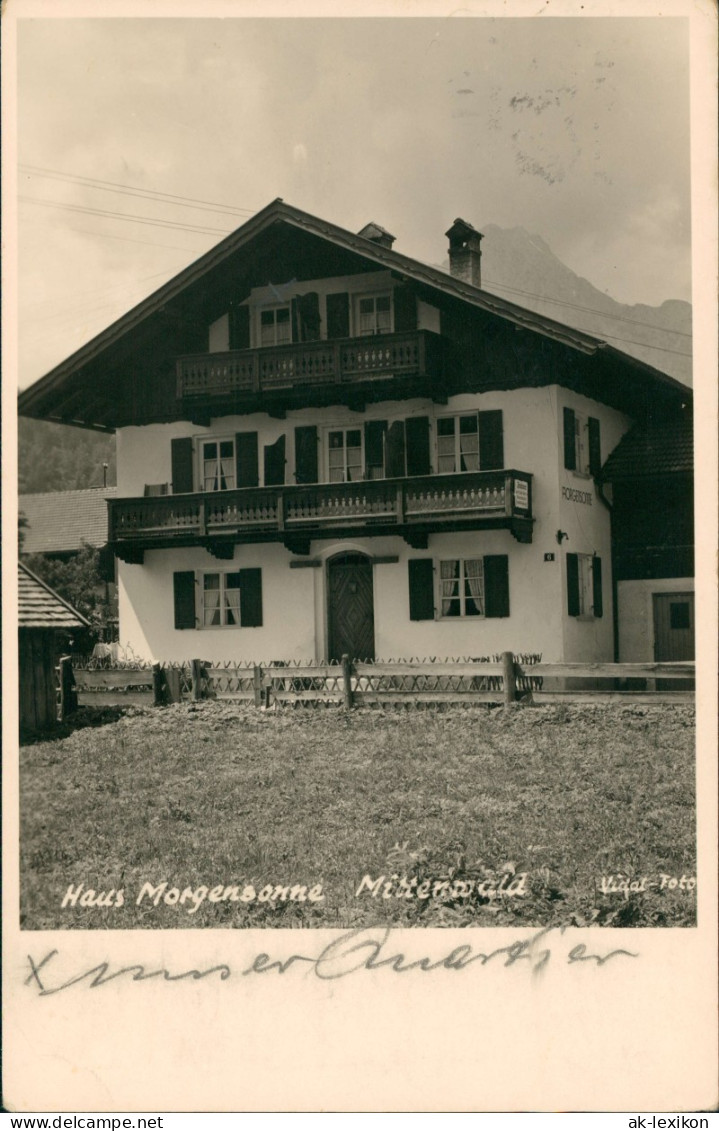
[
  {"x": 313, "y": 372},
  {"x": 412, "y": 508}
]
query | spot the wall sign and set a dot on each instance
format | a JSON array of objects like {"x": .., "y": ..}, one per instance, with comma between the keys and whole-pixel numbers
[
  {"x": 521, "y": 494},
  {"x": 575, "y": 496}
]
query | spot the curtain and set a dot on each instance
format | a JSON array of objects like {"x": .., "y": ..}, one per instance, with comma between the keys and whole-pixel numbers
[
  {"x": 474, "y": 574},
  {"x": 232, "y": 606},
  {"x": 449, "y": 579}
]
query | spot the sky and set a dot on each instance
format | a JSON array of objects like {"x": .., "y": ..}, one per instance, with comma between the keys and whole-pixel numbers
[{"x": 576, "y": 129}]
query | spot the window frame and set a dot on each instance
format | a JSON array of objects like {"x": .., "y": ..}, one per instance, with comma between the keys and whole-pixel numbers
[
  {"x": 586, "y": 587},
  {"x": 273, "y": 308},
  {"x": 222, "y": 590},
  {"x": 344, "y": 428},
  {"x": 462, "y": 595},
  {"x": 373, "y": 295},
  {"x": 201, "y": 441},
  {"x": 456, "y": 416}
]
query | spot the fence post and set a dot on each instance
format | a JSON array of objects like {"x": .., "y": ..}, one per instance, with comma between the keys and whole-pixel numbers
[
  {"x": 257, "y": 684},
  {"x": 65, "y": 704},
  {"x": 157, "y": 684},
  {"x": 347, "y": 680},
  {"x": 508, "y": 678},
  {"x": 196, "y": 668}
]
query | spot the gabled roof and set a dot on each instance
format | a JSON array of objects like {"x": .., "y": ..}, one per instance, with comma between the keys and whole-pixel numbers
[
  {"x": 56, "y": 397},
  {"x": 39, "y": 606},
  {"x": 60, "y": 521},
  {"x": 657, "y": 448}
]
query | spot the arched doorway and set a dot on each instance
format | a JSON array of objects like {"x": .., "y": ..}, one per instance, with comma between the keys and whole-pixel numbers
[{"x": 350, "y": 607}]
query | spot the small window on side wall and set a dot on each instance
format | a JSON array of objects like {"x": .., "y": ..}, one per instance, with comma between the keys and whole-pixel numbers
[
  {"x": 584, "y": 585},
  {"x": 582, "y": 443}
]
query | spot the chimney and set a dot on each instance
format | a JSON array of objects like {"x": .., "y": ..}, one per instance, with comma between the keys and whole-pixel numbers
[
  {"x": 465, "y": 254},
  {"x": 378, "y": 235}
]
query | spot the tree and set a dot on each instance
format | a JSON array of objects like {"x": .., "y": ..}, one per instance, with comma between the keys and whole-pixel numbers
[{"x": 79, "y": 580}]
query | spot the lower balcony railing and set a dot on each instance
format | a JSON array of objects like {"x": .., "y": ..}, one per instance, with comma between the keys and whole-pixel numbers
[{"x": 295, "y": 514}]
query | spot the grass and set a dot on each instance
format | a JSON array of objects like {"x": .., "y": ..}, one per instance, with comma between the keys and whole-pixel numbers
[{"x": 550, "y": 799}]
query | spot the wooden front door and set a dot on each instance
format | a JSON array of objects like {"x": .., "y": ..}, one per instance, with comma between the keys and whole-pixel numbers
[{"x": 350, "y": 607}]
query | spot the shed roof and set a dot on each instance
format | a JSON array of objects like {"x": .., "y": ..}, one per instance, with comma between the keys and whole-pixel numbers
[
  {"x": 39, "y": 606},
  {"x": 60, "y": 521},
  {"x": 658, "y": 448}
]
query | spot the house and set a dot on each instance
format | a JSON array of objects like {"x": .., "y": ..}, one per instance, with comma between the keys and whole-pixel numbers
[
  {"x": 327, "y": 447},
  {"x": 46, "y": 623},
  {"x": 651, "y": 477}
]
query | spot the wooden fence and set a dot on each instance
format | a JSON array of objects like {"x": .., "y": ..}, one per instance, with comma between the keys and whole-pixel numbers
[{"x": 503, "y": 680}]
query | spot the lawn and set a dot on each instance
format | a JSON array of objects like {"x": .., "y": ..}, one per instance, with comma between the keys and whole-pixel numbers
[{"x": 475, "y": 817}]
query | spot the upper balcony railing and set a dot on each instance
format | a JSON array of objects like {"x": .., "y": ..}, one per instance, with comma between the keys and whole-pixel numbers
[
  {"x": 344, "y": 361},
  {"x": 409, "y": 507}
]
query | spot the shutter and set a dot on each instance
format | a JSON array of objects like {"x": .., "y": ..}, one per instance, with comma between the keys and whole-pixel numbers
[
  {"x": 250, "y": 598},
  {"x": 306, "y": 468},
  {"x": 338, "y": 315},
  {"x": 246, "y": 458},
  {"x": 570, "y": 447},
  {"x": 573, "y": 605},
  {"x": 182, "y": 476},
  {"x": 275, "y": 463},
  {"x": 308, "y": 317},
  {"x": 421, "y": 588},
  {"x": 595, "y": 447},
  {"x": 417, "y": 435},
  {"x": 405, "y": 308},
  {"x": 496, "y": 585},
  {"x": 491, "y": 440},
  {"x": 598, "y": 604},
  {"x": 395, "y": 450},
  {"x": 239, "y": 327},
  {"x": 295, "y": 321},
  {"x": 374, "y": 431},
  {"x": 183, "y": 584}
]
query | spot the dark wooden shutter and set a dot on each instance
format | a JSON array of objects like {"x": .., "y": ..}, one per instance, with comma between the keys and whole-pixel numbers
[
  {"x": 374, "y": 431},
  {"x": 573, "y": 605},
  {"x": 421, "y": 588},
  {"x": 595, "y": 446},
  {"x": 250, "y": 598},
  {"x": 275, "y": 463},
  {"x": 239, "y": 327},
  {"x": 405, "y": 308},
  {"x": 395, "y": 450},
  {"x": 491, "y": 440},
  {"x": 496, "y": 585},
  {"x": 246, "y": 458},
  {"x": 308, "y": 317},
  {"x": 417, "y": 439},
  {"x": 306, "y": 469},
  {"x": 338, "y": 315},
  {"x": 184, "y": 592},
  {"x": 570, "y": 446},
  {"x": 598, "y": 603},
  {"x": 182, "y": 477}
]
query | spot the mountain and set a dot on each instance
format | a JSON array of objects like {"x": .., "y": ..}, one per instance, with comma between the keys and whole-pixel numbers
[
  {"x": 57, "y": 457},
  {"x": 521, "y": 268}
]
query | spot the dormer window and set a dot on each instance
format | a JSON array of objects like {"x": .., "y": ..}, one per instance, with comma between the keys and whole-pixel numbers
[
  {"x": 374, "y": 314},
  {"x": 275, "y": 325}
]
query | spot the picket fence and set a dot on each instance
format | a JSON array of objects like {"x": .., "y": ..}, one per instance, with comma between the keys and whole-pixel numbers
[{"x": 499, "y": 680}]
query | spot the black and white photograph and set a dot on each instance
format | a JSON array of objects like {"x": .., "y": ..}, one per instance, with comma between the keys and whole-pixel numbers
[{"x": 359, "y": 527}]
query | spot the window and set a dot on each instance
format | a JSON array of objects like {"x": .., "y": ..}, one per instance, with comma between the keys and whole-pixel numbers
[
  {"x": 466, "y": 587},
  {"x": 217, "y": 467},
  {"x": 462, "y": 588},
  {"x": 374, "y": 314},
  {"x": 220, "y": 599},
  {"x": 584, "y": 585},
  {"x": 275, "y": 325},
  {"x": 582, "y": 443},
  {"x": 344, "y": 455},
  {"x": 457, "y": 443}
]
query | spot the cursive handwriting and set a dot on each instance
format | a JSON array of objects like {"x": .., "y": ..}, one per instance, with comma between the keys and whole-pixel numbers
[{"x": 361, "y": 949}]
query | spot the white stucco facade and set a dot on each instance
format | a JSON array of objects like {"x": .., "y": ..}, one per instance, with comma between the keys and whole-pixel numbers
[{"x": 294, "y": 598}]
